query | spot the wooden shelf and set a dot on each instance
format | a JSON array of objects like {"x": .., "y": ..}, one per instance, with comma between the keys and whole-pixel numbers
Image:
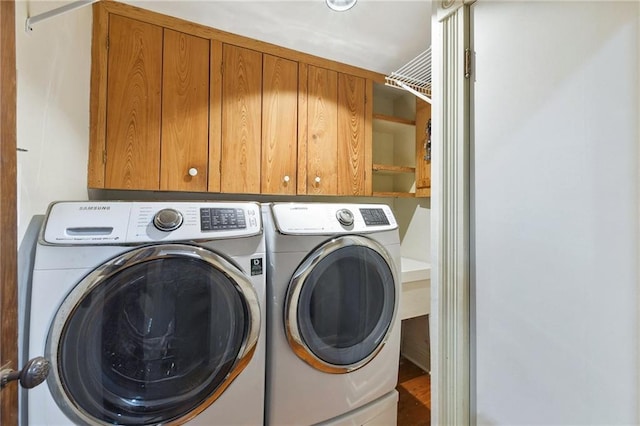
[
  {"x": 394, "y": 194},
  {"x": 392, "y": 119},
  {"x": 387, "y": 168},
  {"x": 399, "y": 123}
]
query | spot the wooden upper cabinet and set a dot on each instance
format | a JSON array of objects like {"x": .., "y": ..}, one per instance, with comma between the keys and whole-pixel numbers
[
  {"x": 336, "y": 144},
  {"x": 279, "y": 125},
  {"x": 132, "y": 141},
  {"x": 157, "y": 108},
  {"x": 177, "y": 106},
  {"x": 354, "y": 150},
  {"x": 322, "y": 131},
  {"x": 241, "y": 120},
  {"x": 423, "y": 161},
  {"x": 185, "y": 113}
]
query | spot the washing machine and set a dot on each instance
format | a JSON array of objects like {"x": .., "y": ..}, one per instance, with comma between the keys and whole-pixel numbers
[
  {"x": 149, "y": 313},
  {"x": 333, "y": 329}
]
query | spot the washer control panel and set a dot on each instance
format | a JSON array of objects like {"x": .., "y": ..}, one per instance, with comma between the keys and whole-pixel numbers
[
  {"x": 374, "y": 217},
  {"x": 328, "y": 218},
  {"x": 121, "y": 222},
  {"x": 216, "y": 219}
]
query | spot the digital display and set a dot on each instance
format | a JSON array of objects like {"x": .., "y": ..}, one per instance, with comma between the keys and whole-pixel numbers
[
  {"x": 373, "y": 217},
  {"x": 217, "y": 219}
]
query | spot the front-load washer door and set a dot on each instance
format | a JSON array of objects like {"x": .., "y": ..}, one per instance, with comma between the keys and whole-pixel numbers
[
  {"x": 152, "y": 336},
  {"x": 341, "y": 303}
]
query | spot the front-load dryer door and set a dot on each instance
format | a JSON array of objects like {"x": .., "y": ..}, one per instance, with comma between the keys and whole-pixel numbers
[
  {"x": 341, "y": 303},
  {"x": 152, "y": 336}
]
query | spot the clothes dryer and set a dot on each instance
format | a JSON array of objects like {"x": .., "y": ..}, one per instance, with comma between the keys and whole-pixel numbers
[
  {"x": 332, "y": 317},
  {"x": 149, "y": 313}
]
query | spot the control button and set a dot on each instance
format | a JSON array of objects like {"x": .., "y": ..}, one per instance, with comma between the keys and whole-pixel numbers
[
  {"x": 167, "y": 220},
  {"x": 374, "y": 217},
  {"x": 345, "y": 217}
]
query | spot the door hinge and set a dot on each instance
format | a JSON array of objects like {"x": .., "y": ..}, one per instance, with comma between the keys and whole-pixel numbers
[
  {"x": 107, "y": 42},
  {"x": 104, "y": 156},
  {"x": 467, "y": 63}
]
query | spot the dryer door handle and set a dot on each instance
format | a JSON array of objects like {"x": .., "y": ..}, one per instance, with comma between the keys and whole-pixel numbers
[{"x": 32, "y": 374}]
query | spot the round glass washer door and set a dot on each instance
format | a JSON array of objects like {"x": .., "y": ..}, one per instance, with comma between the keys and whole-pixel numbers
[
  {"x": 152, "y": 336},
  {"x": 341, "y": 303}
]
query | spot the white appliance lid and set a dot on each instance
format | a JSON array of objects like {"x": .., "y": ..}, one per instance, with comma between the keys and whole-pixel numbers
[
  {"x": 121, "y": 222},
  {"x": 332, "y": 218}
]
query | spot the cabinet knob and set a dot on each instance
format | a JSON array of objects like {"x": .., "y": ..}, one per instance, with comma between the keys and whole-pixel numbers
[
  {"x": 286, "y": 179},
  {"x": 193, "y": 171},
  {"x": 317, "y": 179}
]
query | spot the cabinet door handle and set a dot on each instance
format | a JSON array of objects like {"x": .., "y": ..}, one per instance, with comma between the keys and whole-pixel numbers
[
  {"x": 286, "y": 179},
  {"x": 317, "y": 179},
  {"x": 31, "y": 375},
  {"x": 193, "y": 171}
]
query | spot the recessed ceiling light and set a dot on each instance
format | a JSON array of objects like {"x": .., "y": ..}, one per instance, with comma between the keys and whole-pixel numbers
[{"x": 341, "y": 5}]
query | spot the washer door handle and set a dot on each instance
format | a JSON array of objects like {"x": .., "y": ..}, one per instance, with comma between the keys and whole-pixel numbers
[{"x": 32, "y": 374}]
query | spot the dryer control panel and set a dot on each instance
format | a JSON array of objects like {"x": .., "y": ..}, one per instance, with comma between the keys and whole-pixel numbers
[
  {"x": 328, "y": 218},
  {"x": 121, "y": 222}
]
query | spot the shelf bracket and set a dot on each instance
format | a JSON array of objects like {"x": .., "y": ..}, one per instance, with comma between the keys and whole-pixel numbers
[
  {"x": 32, "y": 20},
  {"x": 412, "y": 90},
  {"x": 414, "y": 77}
]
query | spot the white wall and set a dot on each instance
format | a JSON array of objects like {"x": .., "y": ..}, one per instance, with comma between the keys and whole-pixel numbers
[
  {"x": 414, "y": 219},
  {"x": 53, "y": 68},
  {"x": 555, "y": 186}
]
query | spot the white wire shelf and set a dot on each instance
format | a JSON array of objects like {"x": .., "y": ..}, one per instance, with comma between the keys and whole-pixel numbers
[{"x": 414, "y": 77}]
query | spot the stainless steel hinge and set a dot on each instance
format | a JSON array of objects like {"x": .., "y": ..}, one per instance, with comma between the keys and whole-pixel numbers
[
  {"x": 104, "y": 156},
  {"x": 467, "y": 63}
]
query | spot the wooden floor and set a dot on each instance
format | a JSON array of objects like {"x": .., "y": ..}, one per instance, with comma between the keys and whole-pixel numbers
[{"x": 414, "y": 387}]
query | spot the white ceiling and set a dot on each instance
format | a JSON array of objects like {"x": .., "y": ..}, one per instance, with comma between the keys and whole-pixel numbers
[{"x": 378, "y": 35}]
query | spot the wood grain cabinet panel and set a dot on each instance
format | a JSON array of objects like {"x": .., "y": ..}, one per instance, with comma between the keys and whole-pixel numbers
[
  {"x": 279, "y": 125},
  {"x": 352, "y": 149},
  {"x": 185, "y": 112},
  {"x": 132, "y": 141},
  {"x": 423, "y": 164},
  {"x": 335, "y": 144},
  {"x": 241, "y": 120},
  {"x": 322, "y": 131}
]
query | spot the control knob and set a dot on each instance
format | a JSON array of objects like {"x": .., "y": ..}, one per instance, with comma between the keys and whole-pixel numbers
[
  {"x": 345, "y": 217},
  {"x": 167, "y": 220}
]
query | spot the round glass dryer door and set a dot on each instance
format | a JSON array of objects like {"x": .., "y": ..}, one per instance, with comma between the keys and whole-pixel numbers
[
  {"x": 340, "y": 304},
  {"x": 152, "y": 336}
]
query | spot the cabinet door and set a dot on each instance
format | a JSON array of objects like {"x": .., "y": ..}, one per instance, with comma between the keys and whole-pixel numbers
[
  {"x": 241, "y": 120},
  {"x": 353, "y": 149},
  {"x": 423, "y": 165},
  {"x": 185, "y": 113},
  {"x": 134, "y": 83},
  {"x": 322, "y": 131},
  {"x": 279, "y": 125}
]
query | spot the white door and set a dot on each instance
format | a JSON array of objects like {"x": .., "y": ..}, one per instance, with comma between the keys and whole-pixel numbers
[{"x": 555, "y": 140}]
